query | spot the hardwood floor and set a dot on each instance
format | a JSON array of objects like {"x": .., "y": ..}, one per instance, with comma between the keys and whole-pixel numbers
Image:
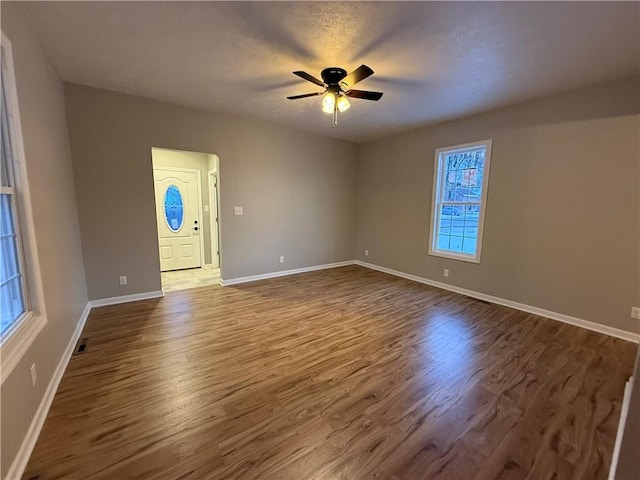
[{"x": 338, "y": 374}]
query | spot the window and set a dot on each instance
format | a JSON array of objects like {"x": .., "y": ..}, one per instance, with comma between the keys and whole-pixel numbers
[
  {"x": 21, "y": 308},
  {"x": 173, "y": 208},
  {"x": 12, "y": 291},
  {"x": 460, "y": 184}
]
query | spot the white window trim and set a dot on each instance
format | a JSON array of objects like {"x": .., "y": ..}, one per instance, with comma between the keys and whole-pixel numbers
[
  {"x": 437, "y": 184},
  {"x": 23, "y": 332}
]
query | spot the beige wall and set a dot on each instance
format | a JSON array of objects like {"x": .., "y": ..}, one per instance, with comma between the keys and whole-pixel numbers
[
  {"x": 298, "y": 190},
  {"x": 562, "y": 218},
  {"x": 195, "y": 161},
  {"x": 42, "y": 110}
]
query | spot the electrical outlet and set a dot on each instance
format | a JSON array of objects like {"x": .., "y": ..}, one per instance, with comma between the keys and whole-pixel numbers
[
  {"x": 34, "y": 375},
  {"x": 281, "y": 259},
  {"x": 635, "y": 313},
  {"x": 122, "y": 279},
  {"x": 366, "y": 253},
  {"x": 446, "y": 272},
  {"x": 238, "y": 210}
]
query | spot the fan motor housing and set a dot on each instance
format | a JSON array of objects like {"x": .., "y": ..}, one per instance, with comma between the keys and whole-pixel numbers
[{"x": 333, "y": 75}]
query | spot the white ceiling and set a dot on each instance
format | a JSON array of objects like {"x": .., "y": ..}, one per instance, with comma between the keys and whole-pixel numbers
[{"x": 433, "y": 60}]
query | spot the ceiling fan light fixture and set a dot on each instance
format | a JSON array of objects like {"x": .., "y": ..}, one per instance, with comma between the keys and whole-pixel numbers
[
  {"x": 343, "y": 104},
  {"x": 329, "y": 102},
  {"x": 337, "y": 87}
]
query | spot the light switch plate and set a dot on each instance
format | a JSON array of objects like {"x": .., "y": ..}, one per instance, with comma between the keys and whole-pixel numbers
[{"x": 238, "y": 210}]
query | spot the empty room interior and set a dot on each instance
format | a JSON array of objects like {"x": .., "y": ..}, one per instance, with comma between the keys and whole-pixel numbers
[{"x": 320, "y": 240}]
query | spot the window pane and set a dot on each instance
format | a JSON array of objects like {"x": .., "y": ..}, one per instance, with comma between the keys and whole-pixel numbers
[
  {"x": 463, "y": 174},
  {"x": 469, "y": 246},
  {"x": 455, "y": 244},
  {"x": 450, "y": 180},
  {"x": 173, "y": 208},
  {"x": 6, "y": 215},
  {"x": 463, "y": 194},
  {"x": 445, "y": 224},
  {"x": 12, "y": 304},
  {"x": 9, "y": 260},
  {"x": 443, "y": 242},
  {"x": 10, "y": 277},
  {"x": 470, "y": 233},
  {"x": 471, "y": 221},
  {"x": 457, "y": 226},
  {"x": 450, "y": 211},
  {"x": 9, "y": 266}
]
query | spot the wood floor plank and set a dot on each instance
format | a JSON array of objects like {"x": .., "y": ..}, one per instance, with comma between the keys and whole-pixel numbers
[
  {"x": 345, "y": 374},
  {"x": 425, "y": 440},
  {"x": 529, "y": 450}
]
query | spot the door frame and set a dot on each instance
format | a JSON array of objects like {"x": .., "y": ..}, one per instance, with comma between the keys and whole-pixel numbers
[
  {"x": 214, "y": 214},
  {"x": 199, "y": 195}
]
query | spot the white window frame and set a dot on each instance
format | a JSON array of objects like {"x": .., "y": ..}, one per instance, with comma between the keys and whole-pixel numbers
[
  {"x": 19, "y": 337},
  {"x": 438, "y": 179}
]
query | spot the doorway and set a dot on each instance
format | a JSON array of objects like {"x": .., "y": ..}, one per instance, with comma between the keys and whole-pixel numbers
[
  {"x": 213, "y": 214},
  {"x": 187, "y": 218}
]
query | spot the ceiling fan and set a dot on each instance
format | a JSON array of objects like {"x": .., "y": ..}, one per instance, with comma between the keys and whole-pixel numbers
[{"x": 337, "y": 87}]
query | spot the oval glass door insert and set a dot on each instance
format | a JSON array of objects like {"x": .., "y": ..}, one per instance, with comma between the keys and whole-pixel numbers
[{"x": 173, "y": 208}]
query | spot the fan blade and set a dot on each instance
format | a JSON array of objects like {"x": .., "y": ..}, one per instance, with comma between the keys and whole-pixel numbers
[
  {"x": 309, "y": 78},
  {"x": 364, "y": 94},
  {"x": 357, "y": 75},
  {"x": 294, "y": 97}
]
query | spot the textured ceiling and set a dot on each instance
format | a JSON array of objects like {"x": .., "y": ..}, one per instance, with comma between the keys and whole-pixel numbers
[{"x": 433, "y": 60}]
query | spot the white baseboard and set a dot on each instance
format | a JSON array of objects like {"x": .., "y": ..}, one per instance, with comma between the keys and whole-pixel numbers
[
  {"x": 102, "y": 302},
  {"x": 578, "y": 322},
  {"x": 626, "y": 400},
  {"x": 22, "y": 457},
  {"x": 282, "y": 273}
]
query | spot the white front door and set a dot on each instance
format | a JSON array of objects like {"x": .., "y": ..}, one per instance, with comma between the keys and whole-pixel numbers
[{"x": 178, "y": 214}]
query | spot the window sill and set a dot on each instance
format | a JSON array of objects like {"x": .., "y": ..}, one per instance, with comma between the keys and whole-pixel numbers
[
  {"x": 453, "y": 256},
  {"x": 16, "y": 345}
]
